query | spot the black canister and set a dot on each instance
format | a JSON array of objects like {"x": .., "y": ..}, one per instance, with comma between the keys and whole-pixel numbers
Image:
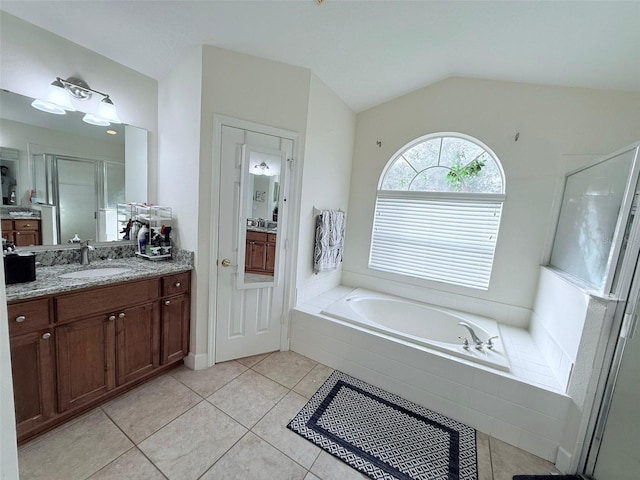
[{"x": 19, "y": 268}]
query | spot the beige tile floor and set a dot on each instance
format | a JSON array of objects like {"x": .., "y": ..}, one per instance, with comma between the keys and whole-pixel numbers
[{"x": 226, "y": 422}]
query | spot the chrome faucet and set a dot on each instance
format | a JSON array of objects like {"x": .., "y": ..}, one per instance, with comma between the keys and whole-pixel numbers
[
  {"x": 84, "y": 252},
  {"x": 479, "y": 343}
]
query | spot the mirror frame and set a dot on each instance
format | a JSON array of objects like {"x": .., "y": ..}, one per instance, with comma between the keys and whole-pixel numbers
[{"x": 242, "y": 219}]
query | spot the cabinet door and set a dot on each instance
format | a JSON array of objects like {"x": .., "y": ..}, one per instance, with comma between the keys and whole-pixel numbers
[
  {"x": 270, "y": 261},
  {"x": 25, "y": 238},
  {"x": 86, "y": 360},
  {"x": 175, "y": 328},
  {"x": 33, "y": 379},
  {"x": 256, "y": 256},
  {"x": 138, "y": 342}
]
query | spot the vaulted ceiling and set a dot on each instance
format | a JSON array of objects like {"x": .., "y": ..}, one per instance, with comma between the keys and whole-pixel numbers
[{"x": 367, "y": 52}]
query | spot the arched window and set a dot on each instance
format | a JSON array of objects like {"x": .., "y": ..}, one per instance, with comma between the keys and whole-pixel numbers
[{"x": 438, "y": 210}]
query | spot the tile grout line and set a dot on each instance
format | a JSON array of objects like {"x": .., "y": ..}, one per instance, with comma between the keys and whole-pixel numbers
[{"x": 135, "y": 445}]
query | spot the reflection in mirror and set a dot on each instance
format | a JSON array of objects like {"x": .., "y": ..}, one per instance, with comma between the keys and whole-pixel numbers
[
  {"x": 9, "y": 158},
  {"x": 263, "y": 172},
  {"x": 70, "y": 173}
]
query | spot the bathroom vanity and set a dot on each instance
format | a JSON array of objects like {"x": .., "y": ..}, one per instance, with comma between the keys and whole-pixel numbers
[
  {"x": 22, "y": 232},
  {"x": 260, "y": 252},
  {"x": 82, "y": 343}
]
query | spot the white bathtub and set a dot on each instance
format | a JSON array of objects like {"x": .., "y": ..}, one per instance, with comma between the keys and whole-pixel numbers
[{"x": 421, "y": 324}]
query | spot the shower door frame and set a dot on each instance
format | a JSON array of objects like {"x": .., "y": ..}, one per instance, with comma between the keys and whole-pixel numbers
[
  {"x": 97, "y": 181},
  {"x": 624, "y": 279},
  {"x": 613, "y": 268}
]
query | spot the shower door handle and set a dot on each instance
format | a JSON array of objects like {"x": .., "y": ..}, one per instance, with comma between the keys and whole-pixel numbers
[{"x": 629, "y": 323}]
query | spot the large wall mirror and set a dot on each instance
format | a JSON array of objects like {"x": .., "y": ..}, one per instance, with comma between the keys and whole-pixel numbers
[
  {"x": 72, "y": 173},
  {"x": 262, "y": 181}
]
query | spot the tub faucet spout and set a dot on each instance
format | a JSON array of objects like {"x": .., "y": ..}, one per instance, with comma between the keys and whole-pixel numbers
[{"x": 479, "y": 343}]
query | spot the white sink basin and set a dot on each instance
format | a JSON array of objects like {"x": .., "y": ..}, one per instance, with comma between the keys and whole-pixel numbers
[{"x": 96, "y": 272}]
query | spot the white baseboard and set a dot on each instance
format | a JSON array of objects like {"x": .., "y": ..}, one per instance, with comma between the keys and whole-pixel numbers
[
  {"x": 197, "y": 362},
  {"x": 563, "y": 461}
]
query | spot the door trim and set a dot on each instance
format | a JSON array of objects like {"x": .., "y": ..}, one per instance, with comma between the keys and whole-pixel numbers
[{"x": 291, "y": 235}]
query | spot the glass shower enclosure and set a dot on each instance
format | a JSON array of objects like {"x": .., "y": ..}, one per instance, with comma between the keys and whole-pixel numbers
[{"x": 597, "y": 242}]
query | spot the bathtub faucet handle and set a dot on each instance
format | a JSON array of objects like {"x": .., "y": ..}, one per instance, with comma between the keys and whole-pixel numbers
[
  {"x": 465, "y": 342},
  {"x": 489, "y": 343}
]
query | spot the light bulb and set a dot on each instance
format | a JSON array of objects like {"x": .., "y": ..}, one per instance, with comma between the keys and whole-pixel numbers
[
  {"x": 107, "y": 110},
  {"x": 95, "y": 120}
]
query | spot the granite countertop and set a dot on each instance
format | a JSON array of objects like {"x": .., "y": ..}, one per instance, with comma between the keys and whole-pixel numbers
[
  {"x": 19, "y": 216},
  {"x": 48, "y": 279},
  {"x": 263, "y": 229}
]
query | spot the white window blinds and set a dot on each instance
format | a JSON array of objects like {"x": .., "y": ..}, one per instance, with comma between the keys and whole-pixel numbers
[{"x": 436, "y": 236}]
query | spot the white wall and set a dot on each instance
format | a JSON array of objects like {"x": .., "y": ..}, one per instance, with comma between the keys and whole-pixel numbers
[
  {"x": 326, "y": 178},
  {"x": 231, "y": 84},
  {"x": 31, "y": 58},
  {"x": 179, "y": 146},
  {"x": 559, "y": 129}
]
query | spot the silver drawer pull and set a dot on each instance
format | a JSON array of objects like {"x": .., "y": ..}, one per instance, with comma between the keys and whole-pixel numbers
[
  {"x": 20, "y": 319},
  {"x": 46, "y": 336},
  {"x": 177, "y": 284},
  {"x": 112, "y": 318},
  {"x": 167, "y": 302},
  {"x": 121, "y": 315}
]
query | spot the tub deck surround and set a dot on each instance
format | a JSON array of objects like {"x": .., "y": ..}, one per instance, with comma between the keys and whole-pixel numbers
[
  {"x": 48, "y": 280},
  {"x": 525, "y": 407},
  {"x": 423, "y": 324}
]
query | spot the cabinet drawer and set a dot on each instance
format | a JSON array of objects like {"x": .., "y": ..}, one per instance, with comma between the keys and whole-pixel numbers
[
  {"x": 174, "y": 284},
  {"x": 256, "y": 236},
  {"x": 7, "y": 225},
  {"x": 28, "y": 316},
  {"x": 105, "y": 299},
  {"x": 26, "y": 224},
  {"x": 271, "y": 238}
]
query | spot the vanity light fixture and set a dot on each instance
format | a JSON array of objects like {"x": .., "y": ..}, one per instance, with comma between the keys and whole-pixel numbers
[
  {"x": 58, "y": 101},
  {"x": 262, "y": 169}
]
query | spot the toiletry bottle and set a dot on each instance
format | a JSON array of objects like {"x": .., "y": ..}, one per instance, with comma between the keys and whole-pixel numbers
[{"x": 142, "y": 239}]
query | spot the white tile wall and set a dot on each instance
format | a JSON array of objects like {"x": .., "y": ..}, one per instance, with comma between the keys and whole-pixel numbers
[{"x": 525, "y": 408}]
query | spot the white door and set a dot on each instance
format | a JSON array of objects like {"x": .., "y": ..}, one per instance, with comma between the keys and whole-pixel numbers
[{"x": 252, "y": 236}]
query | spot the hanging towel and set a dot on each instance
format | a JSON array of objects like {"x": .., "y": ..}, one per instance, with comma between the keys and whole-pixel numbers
[{"x": 327, "y": 252}]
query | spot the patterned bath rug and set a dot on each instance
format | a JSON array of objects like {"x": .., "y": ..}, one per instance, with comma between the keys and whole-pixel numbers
[{"x": 385, "y": 436}]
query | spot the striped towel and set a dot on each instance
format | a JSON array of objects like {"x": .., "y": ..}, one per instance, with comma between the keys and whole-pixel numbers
[{"x": 327, "y": 252}]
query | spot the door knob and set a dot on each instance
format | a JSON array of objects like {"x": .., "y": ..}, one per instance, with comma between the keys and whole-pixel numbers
[{"x": 227, "y": 263}]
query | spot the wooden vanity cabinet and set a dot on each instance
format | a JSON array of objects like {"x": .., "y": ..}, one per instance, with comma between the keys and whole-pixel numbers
[
  {"x": 260, "y": 252},
  {"x": 33, "y": 367},
  {"x": 85, "y": 359},
  {"x": 98, "y": 350},
  {"x": 270, "y": 260},
  {"x": 76, "y": 350},
  {"x": 175, "y": 308},
  {"x": 138, "y": 341},
  {"x": 22, "y": 233}
]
